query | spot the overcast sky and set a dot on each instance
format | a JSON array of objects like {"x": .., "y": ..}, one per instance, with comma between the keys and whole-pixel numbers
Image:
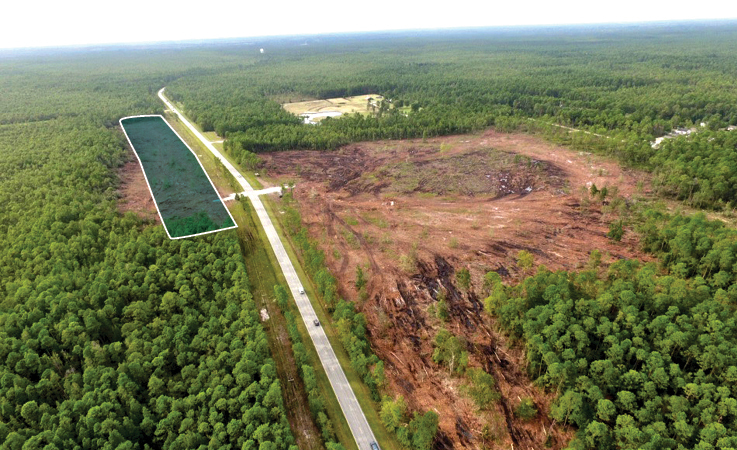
[{"x": 29, "y": 23}]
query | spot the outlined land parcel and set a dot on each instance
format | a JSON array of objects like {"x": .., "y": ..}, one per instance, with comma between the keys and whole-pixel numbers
[{"x": 185, "y": 197}]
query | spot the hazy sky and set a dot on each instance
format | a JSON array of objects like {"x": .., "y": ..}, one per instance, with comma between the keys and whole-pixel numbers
[{"x": 29, "y": 23}]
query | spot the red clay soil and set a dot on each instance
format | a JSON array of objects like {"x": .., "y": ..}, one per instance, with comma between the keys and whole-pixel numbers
[
  {"x": 134, "y": 193},
  {"x": 412, "y": 213}
]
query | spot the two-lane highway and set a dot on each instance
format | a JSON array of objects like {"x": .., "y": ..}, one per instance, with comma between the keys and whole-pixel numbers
[
  {"x": 241, "y": 179},
  {"x": 346, "y": 397}
]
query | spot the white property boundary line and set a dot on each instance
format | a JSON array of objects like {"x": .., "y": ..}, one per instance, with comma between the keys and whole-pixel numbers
[{"x": 149, "y": 185}]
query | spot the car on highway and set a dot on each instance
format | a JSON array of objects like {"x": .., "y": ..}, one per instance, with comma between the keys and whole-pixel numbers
[
  {"x": 302, "y": 290},
  {"x": 316, "y": 322},
  {"x": 374, "y": 446}
]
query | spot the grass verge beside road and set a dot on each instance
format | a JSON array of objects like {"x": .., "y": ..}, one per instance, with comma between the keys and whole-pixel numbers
[
  {"x": 213, "y": 167},
  {"x": 186, "y": 133},
  {"x": 263, "y": 257},
  {"x": 386, "y": 440},
  {"x": 264, "y": 273}
]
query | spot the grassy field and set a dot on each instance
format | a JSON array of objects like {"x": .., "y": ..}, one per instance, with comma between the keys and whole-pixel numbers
[{"x": 344, "y": 105}]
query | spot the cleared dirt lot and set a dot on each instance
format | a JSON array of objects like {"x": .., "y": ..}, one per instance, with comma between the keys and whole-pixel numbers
[
  {"x": 344, "y": 105},
  {"x": 412, "y": 213},
  {"x": 134, "y": 193}
]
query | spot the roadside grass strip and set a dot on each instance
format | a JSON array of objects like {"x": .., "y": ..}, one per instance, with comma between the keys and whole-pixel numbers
[{"x": 185, "y": 197}]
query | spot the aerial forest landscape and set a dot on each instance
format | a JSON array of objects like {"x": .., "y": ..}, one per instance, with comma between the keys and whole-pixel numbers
[{"x": 469, "y": 239}]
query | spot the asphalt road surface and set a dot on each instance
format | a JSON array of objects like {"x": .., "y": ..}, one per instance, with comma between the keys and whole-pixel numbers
[{"x": 349, "y": 404}]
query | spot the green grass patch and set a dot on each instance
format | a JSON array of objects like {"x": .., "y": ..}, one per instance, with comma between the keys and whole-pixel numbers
[
  {"x": 351, "y": 239},
  {"x": 375, "y": 220}
]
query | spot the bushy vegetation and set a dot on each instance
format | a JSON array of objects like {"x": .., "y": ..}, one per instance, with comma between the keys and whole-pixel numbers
[
  {"x": 417, "y": 433},
  {"x": 526, "y": 410},
  {"x": 646, "y": 356},
  {"x": 449, "y": 351},
  {"x": 481, "y": 388}
]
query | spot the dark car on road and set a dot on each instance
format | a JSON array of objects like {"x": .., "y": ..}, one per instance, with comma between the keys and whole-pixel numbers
[{"x": 316, "y": 322}]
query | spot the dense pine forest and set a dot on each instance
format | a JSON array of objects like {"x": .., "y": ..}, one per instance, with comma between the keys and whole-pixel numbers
[
  {"x": 643, "y": 355},
  {"x": 113, "y": 336},
  {"x": 623, "y": 82}
]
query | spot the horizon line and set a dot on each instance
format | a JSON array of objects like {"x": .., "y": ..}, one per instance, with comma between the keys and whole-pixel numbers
[{"x": 234, "y": 39}]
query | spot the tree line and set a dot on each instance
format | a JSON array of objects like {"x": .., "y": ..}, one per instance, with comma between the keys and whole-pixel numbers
[{"x": 642, "y": 84}]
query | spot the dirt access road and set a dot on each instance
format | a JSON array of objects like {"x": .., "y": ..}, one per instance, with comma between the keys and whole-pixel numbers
[
  {"x": 346, "y": 397},
  {"x": 413, "y": 213}
]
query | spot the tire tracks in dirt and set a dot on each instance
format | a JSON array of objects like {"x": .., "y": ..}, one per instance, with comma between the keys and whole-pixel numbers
[{"x": 361, "y": 240}]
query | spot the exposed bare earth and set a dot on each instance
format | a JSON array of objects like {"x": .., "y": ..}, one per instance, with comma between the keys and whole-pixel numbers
[
  {"x": 469, "y": 201},
  {"x": 134, "y": 193},
  {"x": 345, "y": 105}
]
